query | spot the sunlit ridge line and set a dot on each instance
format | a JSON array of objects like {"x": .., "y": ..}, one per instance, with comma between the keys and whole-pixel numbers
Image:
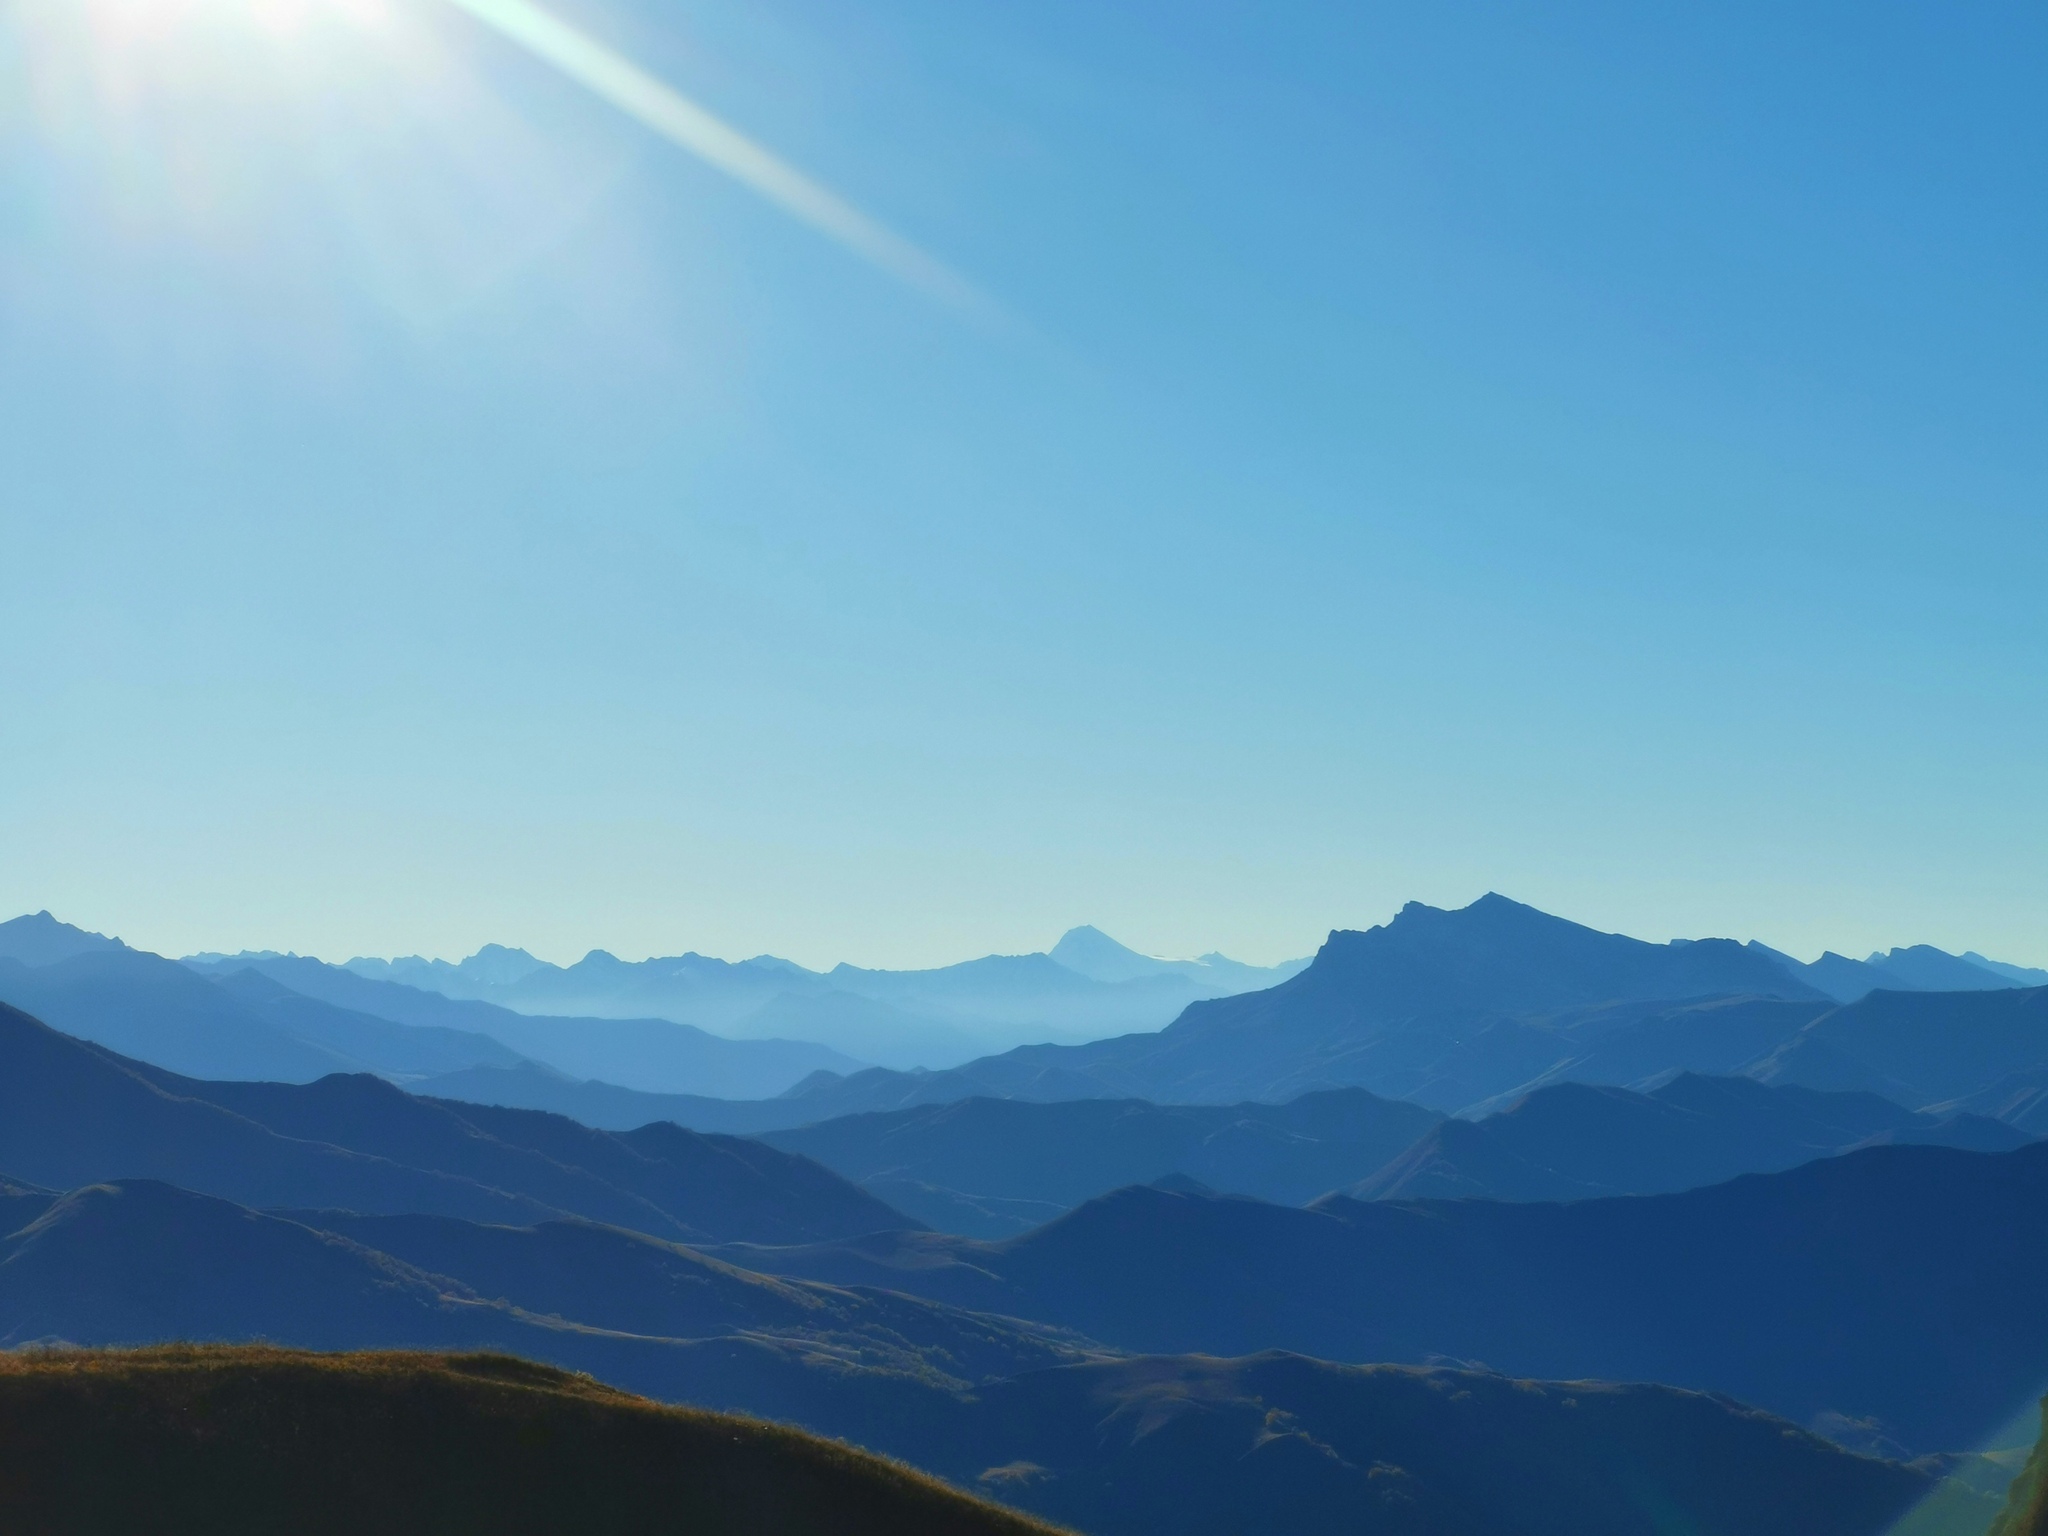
[{"x": 682, "y": 122}]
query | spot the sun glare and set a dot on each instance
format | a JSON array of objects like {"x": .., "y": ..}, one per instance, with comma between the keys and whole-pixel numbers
[{"x": 325, "y": 150}]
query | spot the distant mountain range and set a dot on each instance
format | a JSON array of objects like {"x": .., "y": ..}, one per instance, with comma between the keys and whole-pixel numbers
[
  {"x": 1919, "y": 968},
  {"x": 1273, "y": 1444},
  {"x": 288, "y": 1019},
  {"x": 1466, "y": 1010},
  {"x": 1087, "y": 986},
  {"x": 1459, "y": 1011},
  {"x": 1891, "y": 1293}
]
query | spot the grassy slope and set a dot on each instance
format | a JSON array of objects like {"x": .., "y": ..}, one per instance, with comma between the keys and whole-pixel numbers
[
  {"x": 231, "y": 1440},
  {"x": 2026, "y": 1505}
]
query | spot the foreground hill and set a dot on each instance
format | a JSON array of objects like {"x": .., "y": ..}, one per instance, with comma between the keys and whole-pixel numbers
[
  {"x": 222, "y": 1441},
  {"x": 73, "y": 1113},
  {"x": 1896, "y": 1286},
  {"x": 991, "y": 1167},
  {"x": 1146, "y": 1447},
  {"x": 2026, "y": 1505}
]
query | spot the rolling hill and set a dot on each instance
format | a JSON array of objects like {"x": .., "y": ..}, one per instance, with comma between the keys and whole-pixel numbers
[{"x": 230, "y": 1441}]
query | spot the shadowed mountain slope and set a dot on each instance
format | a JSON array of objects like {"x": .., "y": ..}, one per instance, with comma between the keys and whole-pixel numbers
[
  {"x": 1896, "y": 1284},
  {"x": 1575, "y": 1141},
  {"x": 1279, "y": 1445},
  {"x": 224, "y": 1442},
  {"x": 606, "y": 1105},
  {"x": 1918, "y": 1048},
  {"x": 141, "y": 1261},
  {"x": 154, "y": 1009},
  {"x": 989, "y": 1167},
  {"x": 72, "y": 1113}
]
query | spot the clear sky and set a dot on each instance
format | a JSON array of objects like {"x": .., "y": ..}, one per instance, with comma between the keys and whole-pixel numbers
[{"x": 1591, "y": 451}]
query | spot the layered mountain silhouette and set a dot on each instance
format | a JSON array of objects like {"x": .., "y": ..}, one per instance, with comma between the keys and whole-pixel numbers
[
  {"x": 1576, "y": 1141},
  {"x": 1463, "y": 1011},
  {"x": 644, "y": 1054},
  {"x": 1916, "y": 968},
  {"x": 1090, "y": 985},
  {"x": 72, "y": 1113},
  {"x": 292, "y": 1019},
  {"x": 994, "y": 1167},
  {"x": 1894, "y": 1286},
  {"x": 233, "y": 1441},
  {"x": 1272, "y": 1443},
  {"x": 1445, "y": 1008},
  {"x": 1919, "y": 1048},
  {"x": 991, "y": 1167}
]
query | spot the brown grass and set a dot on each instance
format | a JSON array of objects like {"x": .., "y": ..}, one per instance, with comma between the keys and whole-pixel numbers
[{"x": 227, "y": 1440}]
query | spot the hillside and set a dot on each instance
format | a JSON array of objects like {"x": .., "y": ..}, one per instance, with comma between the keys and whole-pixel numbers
[
  {"x": 155, "y": 1010},
  {"x": 141, "y": 1262},
  {"x": 2026, "y": 1504},
  {"x": 1919, "y": 1048},
  {"x": 215, "y": 1442},
  {"x": 1279, "y": 1445},
  {"x": 990, "y": 1167},
  {"x": 1575, "y": 1141},
  {"x": 73, "y": 1114},
  {"x": 1145, "y": 1447},
  {"x": 1896, "y": 1286}
]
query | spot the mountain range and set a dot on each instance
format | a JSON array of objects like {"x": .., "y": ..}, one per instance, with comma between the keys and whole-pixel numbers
[
  {"x": 1890, "y": 1293},
  {"x": 1088, "y": 985},
  {"x": 1913, "y": 1317},
  {"x": 992, "y": 1167},
  {"x": 996, "y": 1167},
  {"x": 288, "y": 1019},
  {"x": 1462, "y": 1011},
  {"x": 1160, "y": 1356}
]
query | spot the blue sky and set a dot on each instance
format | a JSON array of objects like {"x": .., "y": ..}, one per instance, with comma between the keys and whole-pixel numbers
[{"x": 1592, "y": 452}]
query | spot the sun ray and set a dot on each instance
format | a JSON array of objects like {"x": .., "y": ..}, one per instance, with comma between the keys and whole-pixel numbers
[{"x": 682, "y": 122}]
